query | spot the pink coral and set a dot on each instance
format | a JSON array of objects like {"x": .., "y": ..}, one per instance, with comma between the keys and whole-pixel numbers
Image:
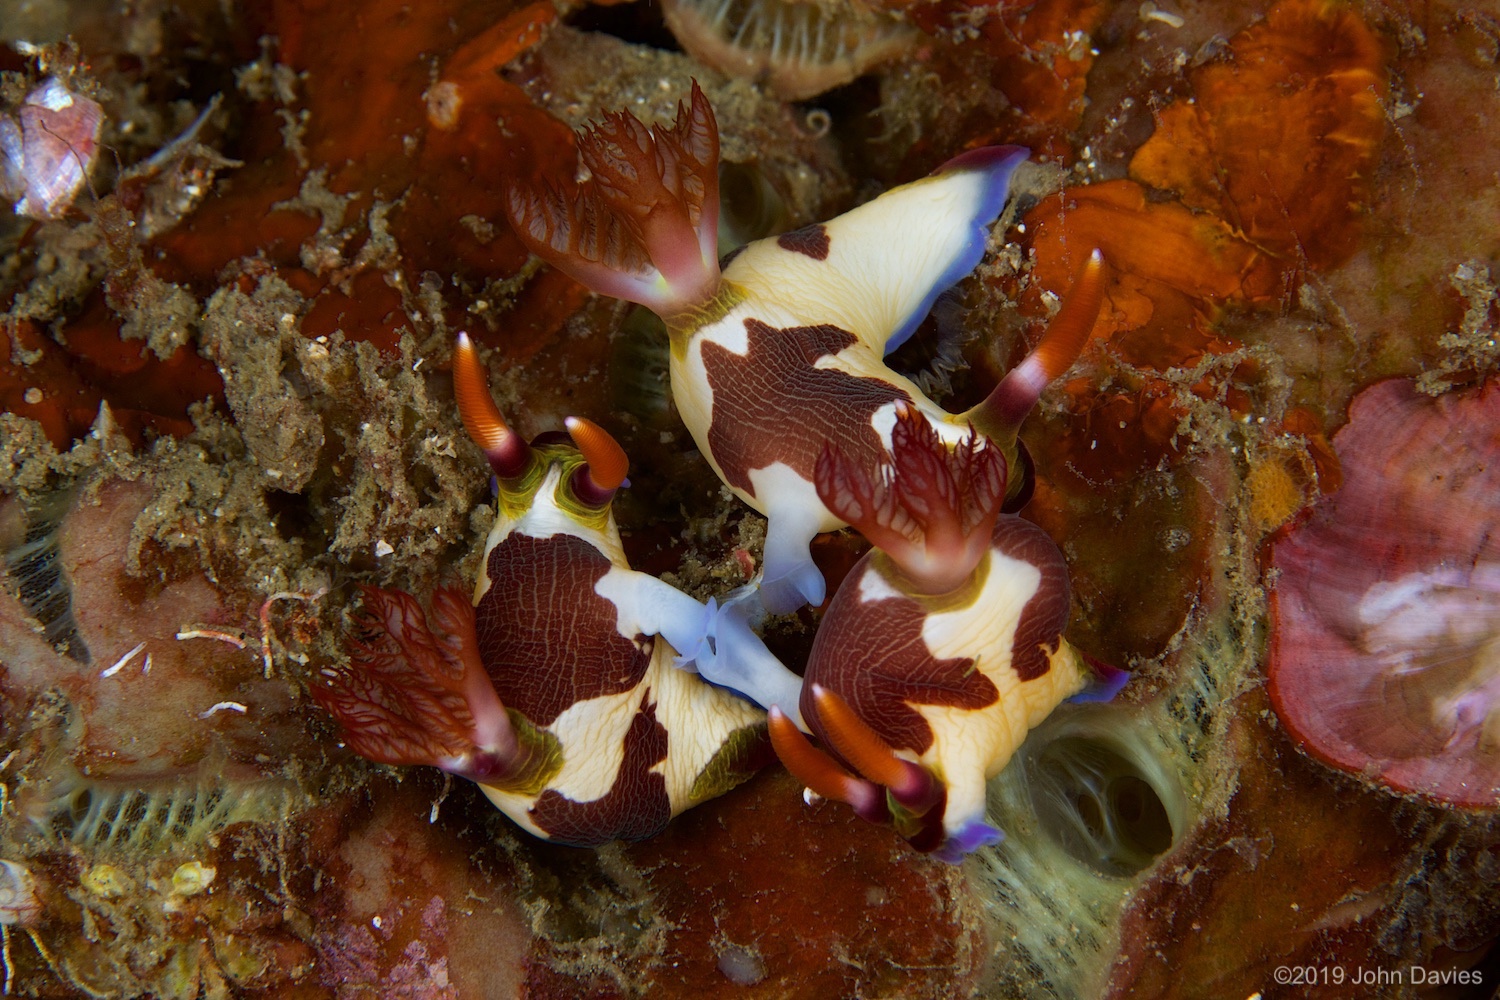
[{"x": 1385, "y": 651}]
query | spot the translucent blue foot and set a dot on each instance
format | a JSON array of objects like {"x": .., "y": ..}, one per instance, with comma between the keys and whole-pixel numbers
[
  {"x": 732, "y": 656},
  {"x": 790, "y": 579},
  {"x": 1107, "y": 682},
  {"x": 967, "y": 839},
  {"x": 803, "y": 584}
]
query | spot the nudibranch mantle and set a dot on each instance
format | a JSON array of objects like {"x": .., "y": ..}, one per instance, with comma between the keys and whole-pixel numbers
[
  {"x": 794, "y": 359},
  {"x": 950, "y": 683},
  {"x": 558, "y": 688},
  {"x": 943, "y": 647},
  {"x": 575, "y": 642},
  {"x": 782, "y": 353},
  {"x": 876, "y": 270}
]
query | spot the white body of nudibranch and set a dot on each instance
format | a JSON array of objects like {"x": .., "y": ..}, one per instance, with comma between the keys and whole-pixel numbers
[
  {"x": 954, "y": 682},
  {"x": 942, "y": 648},
  {"x": 778, "y": 370},
  {"x": 781, "y": 354},
  {"x": 789, "y": 356},
  {"x": 569, "y": 688},
  {"x": 585, "y": 648}
]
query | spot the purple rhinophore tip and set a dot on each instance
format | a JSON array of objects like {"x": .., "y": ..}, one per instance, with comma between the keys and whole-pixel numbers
[
  {"x": 867, "y": 799},
  {"x": 918, "y": 790},
  {"x": 587, "y": 492}
]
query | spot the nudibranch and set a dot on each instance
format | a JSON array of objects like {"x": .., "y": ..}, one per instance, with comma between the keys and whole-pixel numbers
[
  {"x": 782, "y": 353},
  {"x": 558, "y": 689},
  {"x": 1384, "y": 653},
  {"x": 943, "y": 647}
]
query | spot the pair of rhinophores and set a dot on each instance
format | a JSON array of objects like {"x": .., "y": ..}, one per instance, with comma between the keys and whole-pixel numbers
[{"x": 592, "y": 702}]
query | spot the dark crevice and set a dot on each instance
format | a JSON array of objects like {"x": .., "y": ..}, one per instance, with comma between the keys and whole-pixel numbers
[
  {"x": 35, "y": 569},
  {"x": 637, "y": 23}
]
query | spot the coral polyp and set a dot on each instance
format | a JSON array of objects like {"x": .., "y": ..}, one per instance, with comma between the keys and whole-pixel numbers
[{"x": 797, "y": 48}]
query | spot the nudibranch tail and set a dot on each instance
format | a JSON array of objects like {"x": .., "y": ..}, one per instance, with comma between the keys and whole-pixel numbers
[
  {"x": 509, "y": 455},
  {"x": 876, "y": 270},
  {"x": 959, "y": 231},
  {"x": 645, "y": 226},
  {"x": 820, "y": 773},
  {"x": 931, "y": 508},
  {"x": 969, "y": 837},
  {"x": 791, "y": 578},
  {"x": 1108, "y": 681},
  {"x": 415, "y": 695},
  {"x": 1001, "y": 413},
  {"x": 605, "y": 462}
]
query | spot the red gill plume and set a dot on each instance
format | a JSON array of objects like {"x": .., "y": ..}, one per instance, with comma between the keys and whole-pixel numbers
[
  {"x": 417, "y": 695},
  {"x": 930, "y": 507},
  {"x": 643, "y": 226}
]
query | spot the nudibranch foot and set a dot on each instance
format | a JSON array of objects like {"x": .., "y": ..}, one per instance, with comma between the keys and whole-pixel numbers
[
  {"x": 645, "y": 227},
  {"x": 730, "y": 655},
  {"x": 714, "y": 641},
  {"x": 789, "y": 578},
  {"x": 415, "y": 694},
  {"x": 968, "y": 838}
]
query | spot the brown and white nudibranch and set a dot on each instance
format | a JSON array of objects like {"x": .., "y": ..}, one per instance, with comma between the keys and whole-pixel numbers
[
  {"x": 943, "y": 647},
  {"x": 558, "y": 689},
  {"x": 782, "y": 353}
]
